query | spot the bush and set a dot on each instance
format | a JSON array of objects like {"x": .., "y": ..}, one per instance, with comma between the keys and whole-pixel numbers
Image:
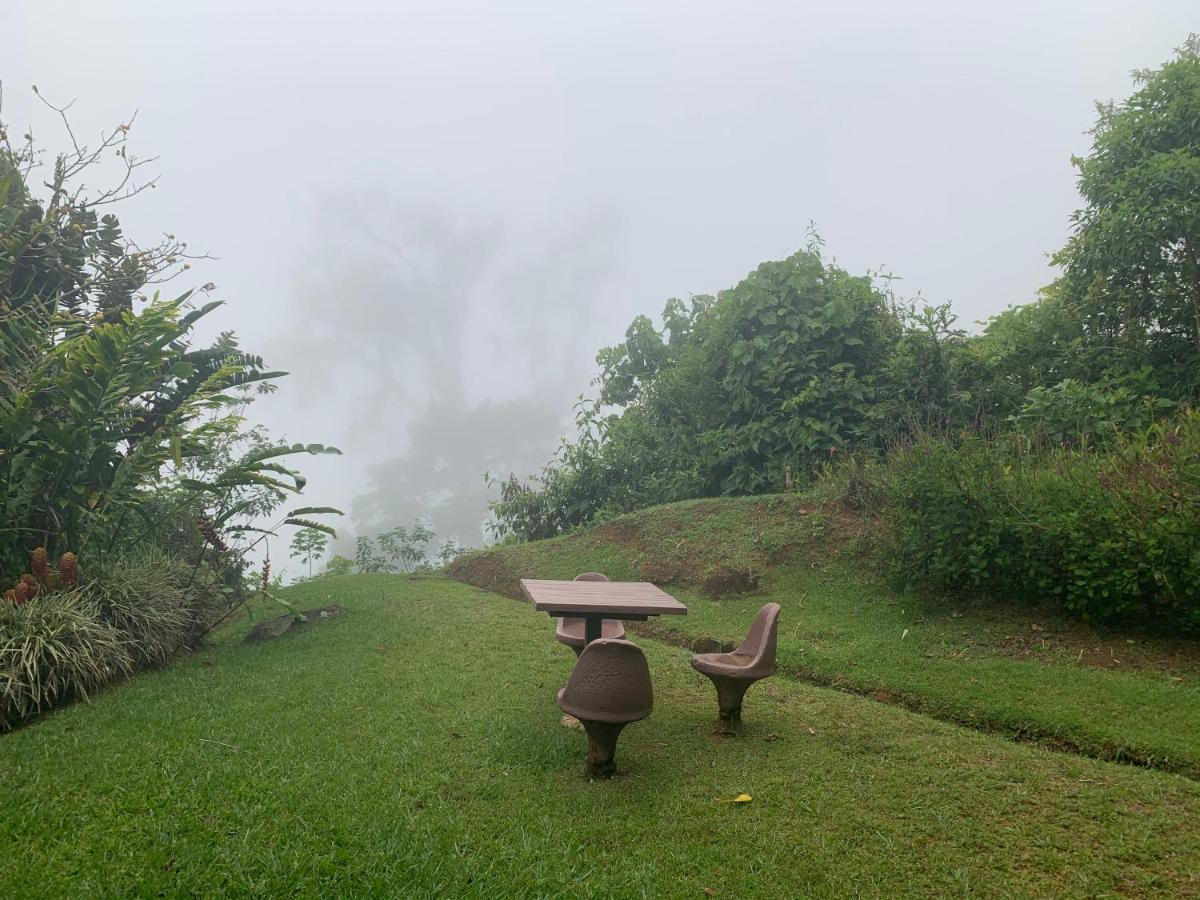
[
  {"x": 143, "y": 598},
  {"x": 1109, "y": 536},
  {"x": 54, "y": 648}
]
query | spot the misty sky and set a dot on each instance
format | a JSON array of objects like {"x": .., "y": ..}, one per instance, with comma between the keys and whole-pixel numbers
[{"x": 435, "y": 214}]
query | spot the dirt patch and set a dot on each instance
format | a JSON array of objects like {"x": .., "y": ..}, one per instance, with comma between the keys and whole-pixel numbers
[
  {"x": 658, "y": 571},
  {"x": 727, "y": 582},
  {"x": 487, "y": 570},
  {"x": 624, "y": 532},
  {"x": 1052, "y": 641}
]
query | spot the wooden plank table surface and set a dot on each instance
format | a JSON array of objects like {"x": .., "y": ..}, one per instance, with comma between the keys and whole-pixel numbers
[{"x": 594, "y": 601}]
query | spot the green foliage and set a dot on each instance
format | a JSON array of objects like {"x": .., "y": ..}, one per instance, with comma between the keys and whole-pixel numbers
[
  {"x": 1132, "y": 266},
  {"x": 1109, "y": 536},
  {"x": 1048, "y": 482},
  {"x": 338, "y": 565},
  {"x": 309, "y": 544},
  {"x": 449, "y": 552},
  {"x": 1073, "y": 412},
  {"x": 367, "y": 558},
  {"x": 54, "y": 648},
  {"x": 398, "y": 550},
  {"x": 143, "y": 598},
  {"x": 106, "y": 408},
  {"x": 134, "y": 611},
  {"x": 737, "y": 394}
]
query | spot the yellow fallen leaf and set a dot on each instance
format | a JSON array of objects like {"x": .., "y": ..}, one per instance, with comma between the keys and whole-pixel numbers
[{"x": 740, "y": 798}]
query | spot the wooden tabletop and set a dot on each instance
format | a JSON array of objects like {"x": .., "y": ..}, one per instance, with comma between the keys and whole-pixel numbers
[{"x": 612, "y": 598}]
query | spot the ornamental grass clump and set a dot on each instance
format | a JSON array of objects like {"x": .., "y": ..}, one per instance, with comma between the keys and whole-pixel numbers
[
  {"x": 53, "y": 648},
  {"x": 142, "y": 597}
]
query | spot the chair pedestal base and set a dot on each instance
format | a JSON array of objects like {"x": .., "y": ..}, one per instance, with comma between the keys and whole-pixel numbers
[
  {"x": 730, "y": 692},
  {"x": 602, "y": 747}
]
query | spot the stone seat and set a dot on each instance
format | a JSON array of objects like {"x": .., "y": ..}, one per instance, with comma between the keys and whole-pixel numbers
[
  {"x": 733, "y": 673},
  {"x": 608, "y": 688}
]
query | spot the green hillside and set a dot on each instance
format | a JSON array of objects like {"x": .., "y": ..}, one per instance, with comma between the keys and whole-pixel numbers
[{"x": 1018, "y": 671}]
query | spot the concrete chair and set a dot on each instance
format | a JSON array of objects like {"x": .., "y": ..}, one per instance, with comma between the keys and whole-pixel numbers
[
  {"x": 609, "y": 688},
  {"x": 570, "y": 630},
  {"x": 733, "y": 673}
]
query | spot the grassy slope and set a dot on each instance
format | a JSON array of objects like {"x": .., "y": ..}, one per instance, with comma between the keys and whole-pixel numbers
[
  {"x": 412, "y": 747},
  {"x": 843, "y": 626}
]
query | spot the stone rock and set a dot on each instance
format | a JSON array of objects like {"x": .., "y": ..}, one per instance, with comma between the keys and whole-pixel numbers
[{"x": 273, "y": 628}]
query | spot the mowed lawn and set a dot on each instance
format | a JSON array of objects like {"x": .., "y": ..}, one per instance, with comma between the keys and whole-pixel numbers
[
  {"x": 1022, "y": 672},
  {"x": 412, "y": 747}
]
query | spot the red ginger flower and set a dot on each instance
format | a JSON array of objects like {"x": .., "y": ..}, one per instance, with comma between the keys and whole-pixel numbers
[
  {"x": 68, "y": 568},
  {"x": 39, "y": 561}
]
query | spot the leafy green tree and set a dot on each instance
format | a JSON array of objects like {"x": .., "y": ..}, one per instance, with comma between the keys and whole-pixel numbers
[
  {"x": 1132, "y": 265},
  {"x": 339, "y": 565},
  {"x": 367, "y": 558},
  {"x": 404, "y": 548},
  {"x": 309, "y": 544},
  {"x": 450, "y": 551}
]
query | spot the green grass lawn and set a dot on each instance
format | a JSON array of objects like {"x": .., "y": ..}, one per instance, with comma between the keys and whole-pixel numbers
[
  {"x": 412, "y": 747},
  {"x": 974, "y": 664}
]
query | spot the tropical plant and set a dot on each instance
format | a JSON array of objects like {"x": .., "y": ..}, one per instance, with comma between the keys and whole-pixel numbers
[
  {"x": 404, "y": 548},
  {"x": 104, "y": 405},
  {"x": 56, "y": 647},
  {"x": 308, "y": 544},
  {"x": 367, "y": 558}
]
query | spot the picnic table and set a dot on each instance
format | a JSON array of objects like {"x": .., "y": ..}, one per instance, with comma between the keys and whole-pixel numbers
[{"x": 595, "y": 601}]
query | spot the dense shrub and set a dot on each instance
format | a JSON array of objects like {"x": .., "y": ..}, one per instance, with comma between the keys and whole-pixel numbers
[
  {"x": 1109, "y": 536},
  {"x": 54, "y": 648},
  {"x": 142, "y": 596}
]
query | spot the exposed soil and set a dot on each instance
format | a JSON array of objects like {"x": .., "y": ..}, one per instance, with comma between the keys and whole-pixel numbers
[
  {"x": 726, "y": 582},
  {"x": 488, "y": 571},
  {"x": 1092, "y": 647}
]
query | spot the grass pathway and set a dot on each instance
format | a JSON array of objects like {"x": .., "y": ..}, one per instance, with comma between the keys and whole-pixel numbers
[{"x": 412, "y": 748}]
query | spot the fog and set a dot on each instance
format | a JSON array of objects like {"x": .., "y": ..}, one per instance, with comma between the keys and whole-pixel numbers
[{"x": 433, "y": 215}]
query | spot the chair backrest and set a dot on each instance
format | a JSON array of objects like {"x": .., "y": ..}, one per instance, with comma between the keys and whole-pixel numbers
[
  {"x": 591, "y": 576},
  {"x": 610, "y": 683},
  {"x": 761, "y": 638}
]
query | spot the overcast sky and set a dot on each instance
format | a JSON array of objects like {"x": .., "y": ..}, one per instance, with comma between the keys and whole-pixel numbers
[{"x": 425, "y": 207}]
